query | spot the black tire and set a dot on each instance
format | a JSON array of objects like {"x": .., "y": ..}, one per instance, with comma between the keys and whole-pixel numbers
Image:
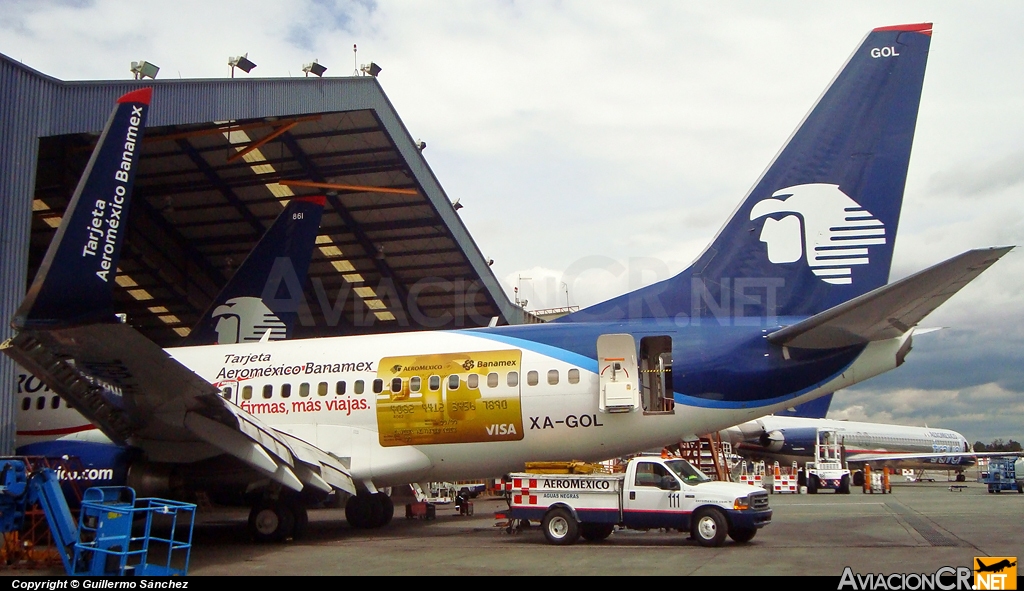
[
  {"x": 364, "y": 511},
  {"x": 271, "y": 521},
  {"x": 858, "y": 478},
  {"x": 301, "y": 517},
  {"x": 844, "y": 485},
  {"x": 595, "y": 532},
  {"x": 1020, "y": 488},
  {"x": 801, "y": 477},
  {"x": 742, "y": 535},
  {"x": 812, "y": 485},
  {"x": 560, "y": 527},
  {"x": 387, "y": 509},
  {"x": 709, "y": 527},
  {"x": 961, "y": 477}
]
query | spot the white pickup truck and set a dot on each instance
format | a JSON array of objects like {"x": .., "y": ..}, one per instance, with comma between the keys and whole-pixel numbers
[{"x": 652, "y": 493}]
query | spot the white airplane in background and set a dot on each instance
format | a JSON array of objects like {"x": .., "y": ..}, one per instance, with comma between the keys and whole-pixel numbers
[
  {"x": 790, "y": 302},
  {"x": 791, "y": 438}
]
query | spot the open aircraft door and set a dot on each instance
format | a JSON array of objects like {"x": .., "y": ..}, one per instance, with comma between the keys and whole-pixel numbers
[{"x": 617, "y": 367}]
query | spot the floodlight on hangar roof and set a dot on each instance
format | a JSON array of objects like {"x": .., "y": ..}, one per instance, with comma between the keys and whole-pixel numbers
[
  {"x": 241, "y": 62},
  {"x": 315, "y": 68},
  {"x": 144, "y": 69}
]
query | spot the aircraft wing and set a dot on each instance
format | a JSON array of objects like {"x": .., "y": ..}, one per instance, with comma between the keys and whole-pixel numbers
[
  {"x": 889, "y": 311},
  {"x": 137, "y": 394}
]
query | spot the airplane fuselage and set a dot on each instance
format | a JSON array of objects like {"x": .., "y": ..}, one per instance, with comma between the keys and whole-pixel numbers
[{"x": 400, "y": 408}]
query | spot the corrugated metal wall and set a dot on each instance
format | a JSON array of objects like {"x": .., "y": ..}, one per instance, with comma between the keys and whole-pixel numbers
[{"x": 33, "y": 105}]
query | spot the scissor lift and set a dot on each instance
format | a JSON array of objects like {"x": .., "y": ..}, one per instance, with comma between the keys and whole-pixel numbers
[{"x": 116, "y": 533}]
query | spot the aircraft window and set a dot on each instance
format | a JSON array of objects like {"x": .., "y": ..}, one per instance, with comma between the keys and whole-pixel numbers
[
  {"x": 55, "y": 402},
  {"x": 246, "y": 392},
  {"x": 513, "y": 379},
  {"x": 434, "y": 384},
  {"x": 553, "y": 376},
  {"x": 453, "y": 382},
  {"x": 321, "y": 389},
  {"x": 492, "y": 380},
  {"x": 304, "y": 389},
  {"x": 473, "y": 381},
  {"x": 378, "y": 386},
  {"x": 26, "y": 403},
  {"x": 396, "y": 384},
  {"x": 286, "y": 390},
  {"x": 268, "y": 391},
  {"x": 574, "y": 376},
  {"x": 532, "y": 378},
  {"x": 225, "y": 392},
  {"x": 41, "y": 403},
  {"x": 359, "y": 387},
  {"x": 339, "y": 388},
  {"x": 414, "y": 383}
]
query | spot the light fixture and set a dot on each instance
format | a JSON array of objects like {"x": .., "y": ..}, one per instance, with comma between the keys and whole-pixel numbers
[
  {"x": 241, "y": 62},
  {"x": 421, "y": 145},
  {"x": 490, "y": 262},
  {"x": 380, "y": 252},
  {"x": 371, "y": 68},
  {"x": 314, "y": 68},
  {"x": 456, "y": 205},
  {"x": 144, "y": 70}
]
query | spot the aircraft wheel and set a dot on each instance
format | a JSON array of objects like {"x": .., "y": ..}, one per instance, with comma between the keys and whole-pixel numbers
[
  {"x": 858, "y": 478},
  {"x": 961, "y": 477},
  {"x": 387, "y": 508},
  {"x": 595, "y": 532},
  {"x": 301, "y": 515},
  {"x": 560, "y": 527},
  {"x": 271, "y": 521},
  {"x": 742, "y": 535},
  {"x": 364, "y": 511},
  {"x": 709, "y": 527}
]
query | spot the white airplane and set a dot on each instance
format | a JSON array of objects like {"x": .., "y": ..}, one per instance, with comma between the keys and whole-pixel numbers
[
  {"x": 790, "y": 302},
  {"x": 790, "y": 437}
]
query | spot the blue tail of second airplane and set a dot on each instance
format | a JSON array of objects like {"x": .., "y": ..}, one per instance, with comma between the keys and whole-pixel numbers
[
  {"x": 265, "y": 292},
  {"x": 819, "y": 226},
  {"x": 83, "y": 256}
]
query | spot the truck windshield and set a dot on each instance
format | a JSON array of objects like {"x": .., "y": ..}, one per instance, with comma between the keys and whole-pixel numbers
[{"x": 687, "y": 472}]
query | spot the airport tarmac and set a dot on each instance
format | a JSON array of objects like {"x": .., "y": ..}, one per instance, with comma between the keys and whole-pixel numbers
[{"x": 918, "y": 528}]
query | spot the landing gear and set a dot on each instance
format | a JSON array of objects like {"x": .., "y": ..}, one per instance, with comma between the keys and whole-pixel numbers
[
  {"x": 271, "y": 521},
  {"x": 368, "y": 511},
  {"x": 961, "y": 477}
]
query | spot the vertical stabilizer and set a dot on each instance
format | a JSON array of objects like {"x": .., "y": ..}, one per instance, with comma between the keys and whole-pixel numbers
[
  {"x": 259, "y": 296},
  {"x": 818, "y": 227},
  {"x": 74, "y": 283}
]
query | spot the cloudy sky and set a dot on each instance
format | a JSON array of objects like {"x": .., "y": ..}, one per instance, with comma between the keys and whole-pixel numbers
[{"x": 599, "y": 145}]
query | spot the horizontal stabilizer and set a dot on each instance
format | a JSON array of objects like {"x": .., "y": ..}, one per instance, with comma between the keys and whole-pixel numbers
[{"x": 889, "y": 311}]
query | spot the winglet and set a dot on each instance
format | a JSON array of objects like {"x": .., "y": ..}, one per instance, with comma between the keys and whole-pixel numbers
[{"x": 74, "y": 283}]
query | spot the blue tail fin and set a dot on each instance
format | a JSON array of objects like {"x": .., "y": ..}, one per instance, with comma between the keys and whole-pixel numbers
[
  {"x": 83, "y": 256},
  {"x": 818, "y": 227},
  {"x": 265, "y": 291},
  {"x": 815, "y": 409}
]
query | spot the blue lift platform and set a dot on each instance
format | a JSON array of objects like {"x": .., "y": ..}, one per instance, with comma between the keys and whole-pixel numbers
[{"x": 116, "y": 534}]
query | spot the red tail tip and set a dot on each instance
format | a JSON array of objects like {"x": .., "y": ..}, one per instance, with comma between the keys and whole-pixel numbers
[
  {"x": 320, "y": 200},
  {"x": 142, "y": 95},
  {"x": 923, "y": 28}
]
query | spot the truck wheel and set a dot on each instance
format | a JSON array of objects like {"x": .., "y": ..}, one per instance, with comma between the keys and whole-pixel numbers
[
  {"x": 858, "y": 478},
  {"x": 560, "y": 527},
  {"x": 709, "y": 527},
  {"x": 742, "y": 535},
  {"x": 844, "y": 485},
  {"x": 595, "y": 532},
  {"x": 812, "y": 484}
]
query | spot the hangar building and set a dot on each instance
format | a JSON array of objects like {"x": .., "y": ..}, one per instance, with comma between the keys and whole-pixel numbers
[{"x": 220, "y": 158}]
